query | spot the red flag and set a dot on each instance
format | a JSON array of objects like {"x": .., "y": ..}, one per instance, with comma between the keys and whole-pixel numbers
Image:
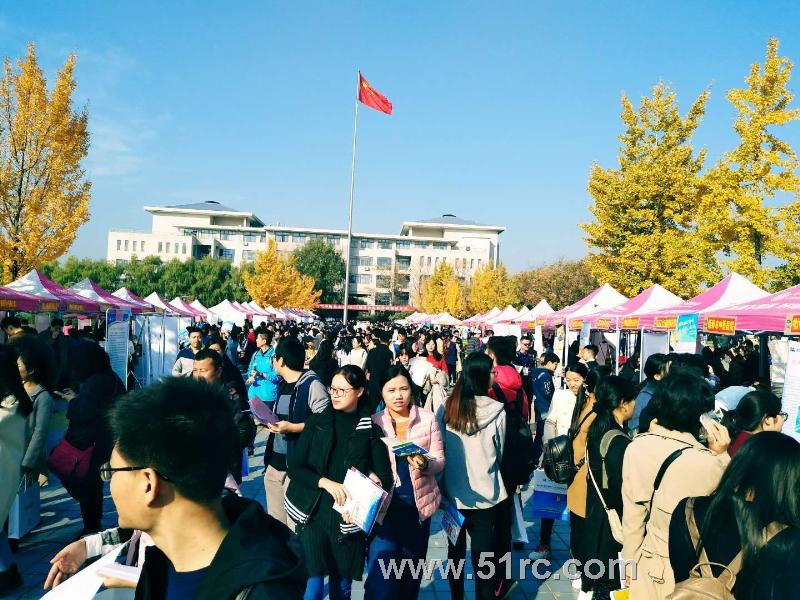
[{"x": 372, "y": 98}]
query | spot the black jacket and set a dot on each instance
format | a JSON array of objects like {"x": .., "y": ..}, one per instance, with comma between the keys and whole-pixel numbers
[
  {"x": 258, "y": 553},
  {"x": 87, "y": 414},
  {"x": 310, "y": 461}
]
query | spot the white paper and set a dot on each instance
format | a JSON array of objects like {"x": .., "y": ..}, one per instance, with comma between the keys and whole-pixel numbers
[
  {"x": 85, "y": 583},
  {"x": 364, "y": 499},
  {"x": 791, "y": 391}
]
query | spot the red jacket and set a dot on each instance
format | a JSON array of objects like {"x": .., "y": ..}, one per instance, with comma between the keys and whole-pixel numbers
[
  {"x": 510, "y": 383},
  {"x": 439, "y": 364}
]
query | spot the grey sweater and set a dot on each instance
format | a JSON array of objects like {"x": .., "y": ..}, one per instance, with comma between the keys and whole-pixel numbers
[
  {"x": 38, "y": 424},
  {"x": 472, "y": 471}
]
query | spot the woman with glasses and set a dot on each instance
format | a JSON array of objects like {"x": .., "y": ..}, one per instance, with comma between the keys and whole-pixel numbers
[
  {"x": 757, "y": 411},
  {"x": 333, "y": 441},
  {"x": 404, "y": 532}
]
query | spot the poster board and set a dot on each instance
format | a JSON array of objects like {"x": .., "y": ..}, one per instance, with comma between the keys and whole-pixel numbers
[
  {"x": 117, "y": 334},
  {"x": 653, "y": 342},
  {"x": 684, "y": 338},
  {"x": 791, "y": 391}
]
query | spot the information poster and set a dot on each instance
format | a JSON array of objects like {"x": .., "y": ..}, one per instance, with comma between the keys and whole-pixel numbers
[
  {"x": 586, "y": 333},
  {"x": 684, "y": 338},
  {"x": 653, "y": 342},
  {"x": 118, "y": 324},
  {"x": 791, "y": 391}
]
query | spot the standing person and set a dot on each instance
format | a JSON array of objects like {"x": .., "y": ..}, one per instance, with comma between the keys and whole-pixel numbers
[
  {"x": 15, "y": 409},
  {"x": 450, "y": 358},
  {"x": 358, "y": 355},
  {"x": 87, "y": 429},
  {"x": 654, "y": 368},
  {"x": 333, "y": 441},
  {"x": 606, "y": 443},
  {"x": 559, "y": 422},
  {"x": 687, "y": 469},
  {"x": 473, "y": 343},
  {"x": 525, "y": 363},
  {"x": 36, "y": 372},
  {"x": 300, "y": 394},
  {"x": 415, "y": 498},
  {"x": 167, "y": 480},
  {"x": 55, "y": 338},
  {"x": 231, "y": 346},
  {"x": 543, "y": 388},
  {"x": 184, "y": 361},
  {"x": 474, "y": 435},
  {"x": 501, "y": 350},
  {"x": 757, "y": 411},
  {"x": 379, "y": 359},
  {"x": 262, "y": 379},
  {"x": 757, "y": 495},
  {"x": 231, "y": 375},
  {"x": 590, "y": 356},
  {"x": 433, "y": 355},
  {"x": 324, "y": 364}
]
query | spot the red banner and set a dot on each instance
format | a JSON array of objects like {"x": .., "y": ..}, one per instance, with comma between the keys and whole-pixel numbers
[
  {"x": 387, "y": 307},
  {"x": 721, "y": 325},
  {"x": 792, "y": 325}
]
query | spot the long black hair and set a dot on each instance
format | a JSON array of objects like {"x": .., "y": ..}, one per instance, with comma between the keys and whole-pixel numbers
[
  {"x": 11, "y": 382},
  {"x": 590, "y": 381},
  {"x": 760, "y": 486},
  {"x": 37, "y": 360},
  {"x": 609, "y": 394},
  {"x": 459, "y": 409},
  {"x": 435, "y": 353},
  {"x": 752, "y": 409}
]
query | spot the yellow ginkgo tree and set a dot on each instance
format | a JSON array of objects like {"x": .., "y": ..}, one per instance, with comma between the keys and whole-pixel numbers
[
  {"x": 44, "y": 193},
  {"x": 274, "y": 280}
]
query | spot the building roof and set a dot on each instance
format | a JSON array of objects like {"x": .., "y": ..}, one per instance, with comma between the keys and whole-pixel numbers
[
  {"x": 451, "y": 220},
  {"x": 207, "y": 205}
]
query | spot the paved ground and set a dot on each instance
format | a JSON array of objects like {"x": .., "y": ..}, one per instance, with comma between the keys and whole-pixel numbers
[{"x": 61, "y": 523}]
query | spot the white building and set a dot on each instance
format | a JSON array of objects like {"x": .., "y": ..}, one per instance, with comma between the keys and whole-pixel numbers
[{"x": 384, "y": 269}]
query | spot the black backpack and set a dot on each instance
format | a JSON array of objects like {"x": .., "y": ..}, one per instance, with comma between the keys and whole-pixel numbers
[
  {"x": 558, "y": 460},
  {"x": 517, "y": 464}
]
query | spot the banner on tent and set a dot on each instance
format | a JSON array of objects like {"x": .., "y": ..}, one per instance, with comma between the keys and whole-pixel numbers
[
  {"x": 8, "y": 304},
  {"x": 50, "y": 306},
  {"x": 602, "y": 324},
  {"x": 721, "y": 325},
  {"x": 576, "y": 325},
  {"x": 792, "y": 325},
  {"x": 630, "y": 323},
  {"x": 665, "y": 323}
]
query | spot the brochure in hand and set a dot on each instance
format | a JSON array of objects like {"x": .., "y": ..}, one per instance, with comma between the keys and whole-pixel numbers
[
  {"x": 452, "y": 520},
  {"x": 364, "y": 499},
  {"x": 262, "y": 412},
  {"x": 401, "y": 449}
]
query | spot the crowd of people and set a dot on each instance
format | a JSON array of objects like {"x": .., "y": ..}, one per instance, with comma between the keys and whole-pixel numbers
[{"x": 686, "y": 476}]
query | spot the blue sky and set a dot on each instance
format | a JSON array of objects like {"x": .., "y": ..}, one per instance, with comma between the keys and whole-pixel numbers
[{"x": 500, "y": 108}]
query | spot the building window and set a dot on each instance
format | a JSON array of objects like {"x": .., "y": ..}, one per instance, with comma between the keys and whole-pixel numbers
[
  {"x": 471, "y": 263},
  {"x": 403, "y": 281},
  {"x": 438, "y": 258},
  {"x": 384, "y": 262},
  {"x": 479, "y": 263},
  {"x": 160, "y": 247},
  {"x": 439, "y": 246},
  {"x": 467, "y": 248},
  {"x": 401, "y": 297},
  {"x": 363, "y": 244},
  {"x": 226, "y": 235},
  {"x": 383, "y": 298},
  {"x": 420, "y": 244},
  {"x": 383, "y": 281},
  {"x": 403, "y": 244},
  {"x": 142, "y": 246},
  {"x": 385, "y": 244},
  {"x": 126, "y": 245},
  {"x": 168, "y": 247},
  {"x": 249, "y": 255},
  {"x": 119, "y": 244},
  {"x": 314, "y": 236},
  {"x": 251, "y": 238},
  {"x": 421, "y": 261},
  {"x": 281, "y": 236},
  {"x": 184, "y": 249},
  {"x": 134, "y": 245},
  {"x": 429, "y": 261},
  {"x": 298, "y": 238},
  {"x": 361, "y": 279},
  {"x": 334, "y": 240},
  {"x": 226, "y": 253},
  {"x": 404, "y": 262},
  {"x": 203, "y": 233},
  {"x": 463, "y": 263},
  {"x": 121, "y": 262}
]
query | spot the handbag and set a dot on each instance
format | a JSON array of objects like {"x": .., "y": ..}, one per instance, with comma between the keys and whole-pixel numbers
[
  {"x": 68, "y": 463},
  {"x": 25, "y": 512},
  {"x": 614, "y": 522}
]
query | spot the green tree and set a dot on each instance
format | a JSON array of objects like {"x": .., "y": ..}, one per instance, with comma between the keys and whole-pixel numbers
[
  {"x": 143, "y": 275},
  {"x": 73, "y": 269},
  {"x": 645, "y": 210},
  {"x": 736, "y": 217},
  {"x": 320, "y": 261},
  {"x": 561, "y": 283}
]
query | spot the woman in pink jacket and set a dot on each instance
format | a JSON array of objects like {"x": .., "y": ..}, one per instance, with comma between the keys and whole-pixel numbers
[{"x": 405, "y": 528}]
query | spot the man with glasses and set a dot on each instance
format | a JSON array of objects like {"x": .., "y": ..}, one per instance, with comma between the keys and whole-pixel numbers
[
  {"x": 525, "y": 362},
  {"x": 300, "y": 393},
  {"x": 167, "y": 473}
]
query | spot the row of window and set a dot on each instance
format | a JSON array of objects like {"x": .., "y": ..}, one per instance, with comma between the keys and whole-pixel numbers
[
  {"x": 457, "y": 262},
  {"x": 226, "y": 235},
  {"x": 126, "y": 245},
  {"x": 381, "y": 281}
]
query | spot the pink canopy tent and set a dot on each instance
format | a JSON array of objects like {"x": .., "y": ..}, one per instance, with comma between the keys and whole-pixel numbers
[
  {"x": 734, "y": 289},
  {"x": 530, "y": 315},
  {"x": 159, "y": 302},
  {"x": 127, "y": 295},
  {"x": 504, "y": 316},
  {"x": 257, "y": 310},
  {"x": 772, "y": 313},
  {"x": 89, "y": 289},
  {"x": 474, "y": 319},
  {"x": 242, "y": 308},
  {"x": 178, "y": 302},
  {"x": 653, "y": 298},
  {"x": 602, "y": 298},
  {"x": 53, "y": 296},
  {"x": 210, "y": 316},
  {"x": 13, "y": 300}
]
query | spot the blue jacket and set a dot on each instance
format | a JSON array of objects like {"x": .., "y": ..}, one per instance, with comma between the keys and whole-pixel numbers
[
  {"x": 266, "y": 381},
  {"x": 232, "y": 350},
  {"x": 543, "y": 390}
]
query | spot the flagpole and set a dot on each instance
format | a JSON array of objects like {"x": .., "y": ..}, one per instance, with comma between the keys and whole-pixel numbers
[{"x": 350, "y": 218}]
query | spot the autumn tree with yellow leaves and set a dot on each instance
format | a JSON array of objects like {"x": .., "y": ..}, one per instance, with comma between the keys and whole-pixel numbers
[
  {"x": 737, "y": 216},
  {"x": 274, "y": 280},
  {"x": 645, "y": 209},
  {"x": 44, "y": 192},
  {"x": 491, "y": 287},
  {"x": 442, "y": 292}
]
